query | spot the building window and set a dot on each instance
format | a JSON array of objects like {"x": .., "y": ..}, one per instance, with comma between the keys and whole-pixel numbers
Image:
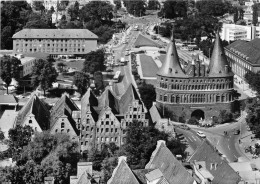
[
  {"x": 62, "y": 125},
  {"x": 68, "y": 130},
  {"x": 107, "y": 122},
  {"x": 107, "y": 130},
  {"x": 115, "y": 139},
  {"x": 107, "y": 115},
  {"x": 115, "y": 129},
  {"x": 102, "y": 123},
  {"x": 101, "y": 130},
  {"x": 111, "y": 129},
  {"x": 56, "y": 130},
  {"x": 165, "y": 98},
  {"x": 30, "y": 121},
  {"x": 97, "y": 129},
  {"x": 112, "y": 122}
]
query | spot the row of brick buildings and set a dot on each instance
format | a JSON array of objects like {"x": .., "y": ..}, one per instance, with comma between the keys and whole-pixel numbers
[{"x": 100, "y": 120}]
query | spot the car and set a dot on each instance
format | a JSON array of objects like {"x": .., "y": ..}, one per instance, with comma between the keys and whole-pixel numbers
[
  {"x": 236, "y": 132},
  {"x": 75, "y": 98},
  {"x": 19, "y": 96},
  {"x": 42, "y": 97},
  {"x": 185, "y": 127},
  {"x": 201, "y": 134},
  {"x": 127, "y": 49}
]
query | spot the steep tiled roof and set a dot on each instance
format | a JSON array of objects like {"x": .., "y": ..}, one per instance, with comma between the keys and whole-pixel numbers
[
  {"x": 64, "y": 106},
  {"x": 172, "y": 169},
  {"x": 171, "y": 66},
  {"x": 143, "y": 41},
  {"x": 7, "y": 120},
  {"x": 155, "y": 115},
  {"x": 127, "y": 98},
  {"x": 8, "y": 100},
  {"x": 251, "y": 49},
  {"x": 218, "y": 60},
  {"x": 88, "y": 100},
  {"x": 55, "y": 33},
  {"x": 109, "y": 99},
  {"x": 85, "y": 178},
  {"x": 36, "y": 107},
  {"x": 140, "y": 175},
  {"x": 223, "y": 173},
  {"x": 122, "y": 174}
]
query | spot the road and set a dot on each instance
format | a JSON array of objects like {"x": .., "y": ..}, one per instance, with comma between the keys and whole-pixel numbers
[{"x": 226, "y": 144}]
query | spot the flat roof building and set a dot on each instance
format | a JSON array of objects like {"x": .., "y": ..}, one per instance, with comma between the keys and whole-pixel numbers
[{"x": 56, "y": 42}]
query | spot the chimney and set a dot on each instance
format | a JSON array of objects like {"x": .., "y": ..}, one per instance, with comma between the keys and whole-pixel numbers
[
  {"x": 121, "y": 158},
  {"x": 216, "y": 164},
  {"x": 193, "y": 68},
  {"x": 198, "y": 68},
  {"x": 226, "y": 69},
  {"x": 211, "y": 166},
  {"x": 203, "y": 66},
  {"x": 84, "y": 167}
]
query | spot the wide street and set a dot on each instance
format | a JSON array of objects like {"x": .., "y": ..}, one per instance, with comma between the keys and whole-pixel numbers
[{"x": 226, "y": 144}]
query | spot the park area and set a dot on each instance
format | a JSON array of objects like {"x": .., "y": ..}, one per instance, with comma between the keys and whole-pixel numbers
[{"x": 149, "y": 67}]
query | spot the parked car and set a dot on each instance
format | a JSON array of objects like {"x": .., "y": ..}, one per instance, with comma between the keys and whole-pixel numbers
[
  {"x": 201, "y": 134},
  {"x": 75, "y": 98},
  {"x": 236, "y": 132},
  {"x": 185, "y": 127}
]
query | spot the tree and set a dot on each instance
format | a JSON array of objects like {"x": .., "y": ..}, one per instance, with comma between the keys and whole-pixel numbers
[
  {"x": 153, "y": 5},
  {"x": 73, "y": 11},
  {"x": 11, "y": 68},
  {"x": 172, "y": 9},
  {"x": 2, "y": 135},
  {"x": 45, "y": 155},
  {"x": 235, "y": 16},
  {"x": 108, "y": 166},
  {"x": 18, "y": 138},
  {"x": 241, "y": 13},
  {"x": 213, "y": 8},
  {"x": 141, "y": 142},
  {"x": 81, "y": 81},
  {"x": 43, "y": 74},
  {"x": 39, "y": 21},
  {"x": 94, "y": 61},
  {"x": 224, "y": 116},
  {"x": 255, "y": 14},
  {"x": 61, "y": 66},
  {"x": 98, "y": 79},
  {"x": 148, "y": 94},
  {"x": 253, "y": 79},
  {"x": 118, "y": 4},
  {"x": 38, "y": 6},
  {"x": 14, "y": 15},
  {"x": 136, "y": 8}
]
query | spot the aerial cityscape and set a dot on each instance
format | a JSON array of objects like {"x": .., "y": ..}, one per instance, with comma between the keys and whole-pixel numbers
[{"x": 130, "y": 92}]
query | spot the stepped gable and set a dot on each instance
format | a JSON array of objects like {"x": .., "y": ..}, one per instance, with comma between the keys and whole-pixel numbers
[
  {"x": 122, "y": 174},
  {"x": 218, "y": 61},
  {"x": 171, "y": 66},
  {"x": 109, "y": 99},
  {"x": 143, "y": 41},
  {"x": 36, "y": 107},
  {"x": 173, "y": 171},
  {"x": 88, "y": 101},
  {"x": 63, "y": 107},
  {"x": 127, "y": 98},
  {"x": 223, "y": 173}
]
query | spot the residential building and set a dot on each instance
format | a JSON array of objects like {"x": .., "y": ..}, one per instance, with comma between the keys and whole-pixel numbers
[
  {"x": 197, "y": 92},
  {"x": 105, "y": 119},
  {"x": 244, "y": 56},
  {"x": 217, "y": 166},
  {"x": 201, "y": 171},
  {"x": 85, "y": 174},
  {"x": 233, "y": 32},
  {"x": 65, "y": 117},
  {"x": 56, "y": 42},
  {"x": 163, "y": 168},
  {"x": 35, "y": 114}
]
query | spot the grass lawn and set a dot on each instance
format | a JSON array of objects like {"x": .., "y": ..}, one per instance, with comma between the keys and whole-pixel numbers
[
  {"x": 148, "y": 65},
  {"x": 77, "y": 64}
]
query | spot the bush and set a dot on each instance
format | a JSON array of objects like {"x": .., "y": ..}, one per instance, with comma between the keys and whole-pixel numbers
[{"x": 193, "y": 121}]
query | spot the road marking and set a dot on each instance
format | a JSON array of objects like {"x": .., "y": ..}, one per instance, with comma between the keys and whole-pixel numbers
[
  {"x": 194, "y": 138},
  {"x": 190, "y": 139},
  {"x": 228, "y": 147}
]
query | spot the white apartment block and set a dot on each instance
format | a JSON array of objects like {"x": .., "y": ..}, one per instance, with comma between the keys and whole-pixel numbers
[{"x": 232, "y": 32}]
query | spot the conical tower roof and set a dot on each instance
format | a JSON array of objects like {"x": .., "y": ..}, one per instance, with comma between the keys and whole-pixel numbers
[
  {"x": 218, "y": 60},
  {"x": 171, "y": 66}
]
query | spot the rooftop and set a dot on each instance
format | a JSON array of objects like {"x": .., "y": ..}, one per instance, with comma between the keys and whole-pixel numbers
[
  {"x": 250, "y": 49},
  {"x": 55, "y": 34},
  {"x": 221, "y": 170},
  {"x": 8, "y": 100}
]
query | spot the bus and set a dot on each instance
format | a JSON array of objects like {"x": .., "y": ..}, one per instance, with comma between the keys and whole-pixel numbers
[{"x": 116, "y": 76}]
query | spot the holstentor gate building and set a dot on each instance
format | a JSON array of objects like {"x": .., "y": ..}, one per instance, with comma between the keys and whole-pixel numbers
[{"x": 201, "y": 90}]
